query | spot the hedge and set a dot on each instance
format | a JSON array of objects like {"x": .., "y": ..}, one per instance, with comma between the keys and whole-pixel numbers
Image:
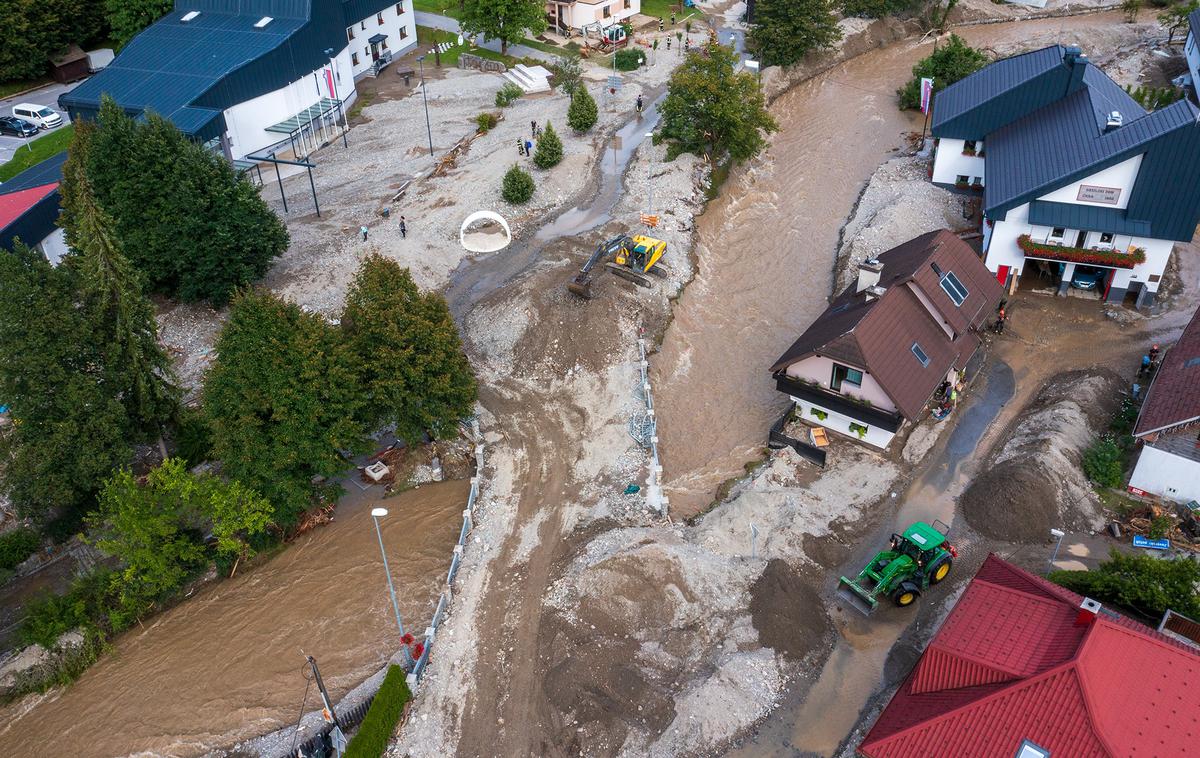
[
  {"x": 380, "y": 722},
  {"x": 16, "y": 546},
  {"x": 1082, "y": 255}
]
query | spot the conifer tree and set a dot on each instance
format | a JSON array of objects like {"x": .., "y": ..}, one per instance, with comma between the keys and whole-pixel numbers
[
  {"x": 549, "y": 149},
  {"x": 582, "y": 113}
]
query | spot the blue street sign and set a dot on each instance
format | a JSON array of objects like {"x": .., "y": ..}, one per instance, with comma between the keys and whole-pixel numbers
[{"x": 1140, "y": 541}]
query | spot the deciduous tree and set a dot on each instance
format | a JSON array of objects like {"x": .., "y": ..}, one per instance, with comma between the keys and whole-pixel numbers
[
  {"x": 714, "y": 111},
  {"x": 1175, "y": 18},
  {"x": 952, "y": 61},
  {"x": 128, "y": 17},
  {"x": 283, "y": 401},
  {"x": 408, "y": 353},
  {"x": 506, "y": 20},
  {"x": 784, "y": 31},
  {"x": 1148, "y": 586}
]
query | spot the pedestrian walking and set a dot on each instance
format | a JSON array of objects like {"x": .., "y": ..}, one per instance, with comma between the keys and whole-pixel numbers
[
  {"x": 403, "y": 228},
  {"x": 661, "y": 27},
  {"x": 533, "y": 129},
  {"x": 520, "y": 146},
  {"x": 528, "y": 147},
  {"x": 672, "y": 18},
  {"x": 668, "y": 43},
  {"x": 363, "y": 231},
  {"x": 639, "y": 104}
]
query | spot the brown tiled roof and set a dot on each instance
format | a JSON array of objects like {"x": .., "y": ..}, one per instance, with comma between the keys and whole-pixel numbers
[
  {"x": 877, "y": 335},
  {"x": 1174, "y": 395}
]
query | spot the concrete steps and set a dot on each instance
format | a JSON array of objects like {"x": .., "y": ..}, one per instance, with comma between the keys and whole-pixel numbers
[{"x": 529, "y": 78}]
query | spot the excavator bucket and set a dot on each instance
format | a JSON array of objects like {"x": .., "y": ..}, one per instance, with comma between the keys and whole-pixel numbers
[
  {"x": 581, "y": 287},
  {"x": 856, "y": 597}
]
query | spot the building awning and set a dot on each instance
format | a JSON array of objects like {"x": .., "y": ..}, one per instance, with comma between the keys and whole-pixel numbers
[
  {"x": 377, "y": 38},
  {"x": 305, "y": 117}
]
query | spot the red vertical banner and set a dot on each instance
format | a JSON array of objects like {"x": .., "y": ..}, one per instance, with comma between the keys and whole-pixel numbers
[{"x": 329, "y": 83}]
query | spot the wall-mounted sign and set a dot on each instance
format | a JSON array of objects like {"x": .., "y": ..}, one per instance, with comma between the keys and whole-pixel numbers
[
  {"x": 1140, "y": 541},
  {"x": 1090, "y": 193}
]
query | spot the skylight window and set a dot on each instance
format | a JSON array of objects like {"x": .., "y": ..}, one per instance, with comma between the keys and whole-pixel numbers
[
  {"x": 954, "y": 288},
  {"x": 262, "y": 22},
  {"x": 190, "y": 15},
  {"x": 921, "y": 355},
  {"x": 1030, "y": 750}
]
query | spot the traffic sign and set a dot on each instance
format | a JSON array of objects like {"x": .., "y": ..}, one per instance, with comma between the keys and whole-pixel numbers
[{"x": 1140, "y": 541}]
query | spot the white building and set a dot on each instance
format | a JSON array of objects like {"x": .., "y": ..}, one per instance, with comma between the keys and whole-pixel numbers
[
  {"x": 1081, "y": 186},
  {"x": 255, "y": 74},
  {"x": 1191, "y": 49},
  {"x": 1168, "y": 425},
  {"x": 573, "y": 15},
  {"x": 882, "y": 348}
]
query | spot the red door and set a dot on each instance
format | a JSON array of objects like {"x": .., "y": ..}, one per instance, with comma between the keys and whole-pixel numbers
[{"x": 1002, "y": 275}]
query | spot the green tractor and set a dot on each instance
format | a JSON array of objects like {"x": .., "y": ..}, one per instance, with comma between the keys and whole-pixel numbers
[{"x": 918, "y": 558}]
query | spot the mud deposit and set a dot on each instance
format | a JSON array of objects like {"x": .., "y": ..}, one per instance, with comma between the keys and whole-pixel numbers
[
  {"x": 787, "y": 611},
  {"x": 226, "y": 664},
  {"x": 1035, "y": 481}
]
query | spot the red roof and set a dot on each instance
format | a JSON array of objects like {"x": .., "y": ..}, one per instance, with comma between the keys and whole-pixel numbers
[
  {"x": 1010, "y": 664},
  {"x": 13, "y": 205},
  {"x": 1174, "y": 395}
]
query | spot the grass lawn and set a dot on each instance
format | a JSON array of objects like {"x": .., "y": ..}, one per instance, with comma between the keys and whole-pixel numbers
[
  {"x": 545, "y": 47},
  {"x": 429, "y": 36},
  {"x": 662, "y": 9},
  {"x": 42, "y": 148},
  {"x": 444, "y": 7},
  {"x": 20, "y": 85}
]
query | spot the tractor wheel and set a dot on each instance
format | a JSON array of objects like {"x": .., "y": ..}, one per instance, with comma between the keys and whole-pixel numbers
[
  {"x": 940, "y": 570},
  {"x": 906, "y": 594}
]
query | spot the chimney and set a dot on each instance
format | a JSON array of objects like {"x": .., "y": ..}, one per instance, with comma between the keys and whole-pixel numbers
[
  {"x": 1077, "y": 62},
  {"x": 1088, "y": 611},
  {"x": 1115, "y": 120},
  {"x": 876, "y": 292},
  {"x": 868, "y": 274}
]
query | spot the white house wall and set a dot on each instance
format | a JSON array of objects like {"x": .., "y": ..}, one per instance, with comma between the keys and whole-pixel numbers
[
  {"x": 1121, "y": 176},
  {"x": 394, "y": 25},
  {"x": 579, "y": 14},
  {"x": 1192, "y": 50},
  {"x": 836, "y": 422},
  {"x": 950, "y": 163},
  {"x": 54, "y": 247},
  {"x": 1166, "y": 475},
  {"x": 819, "y": 369},
  {"x": 246, "y": 123}
]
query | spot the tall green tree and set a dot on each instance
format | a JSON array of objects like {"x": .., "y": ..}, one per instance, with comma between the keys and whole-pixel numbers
[
  {"x": 283, "y": 401},
  {"x": 140, "y": 372},
  {"x": 582, "y": 113},
  {"x": 70, "y": 429},
  {"x": 128, "y": 17},
  {"x": 549, "y": 149},
  {"x": 1143, "y": 584},
  {"x": 952, "y": 61},
  {"x": 506, "y": 20},
  {"x": 32, "y": 32},
  {"x": 408, "y": 353},
  {"x": 1175, "y": 18},
  {"x": 193, "y": 227},
  {"x": 784, "y": 31},
  {"x": 714, "y": 111}
]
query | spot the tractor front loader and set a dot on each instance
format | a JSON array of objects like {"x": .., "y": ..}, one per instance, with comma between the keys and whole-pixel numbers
[{"x": 916, "y": 559}]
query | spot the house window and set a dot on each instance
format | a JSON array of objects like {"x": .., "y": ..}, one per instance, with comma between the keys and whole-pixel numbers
[
  {"x": 1057, "y": 233},
  {"x": 954, "y": 288},
  {"x": 399, "y": 9},
  {"x": 362, "y": 25},
  {"x": 379, "y": 18},
  {"x": 403, "y": 32},
  {"x": 366, "y": 51},
  {"x": 1106, "y": 238},
  {"x": 962, "y": 179},
  {"x": 350, "y": 32},
  {"x": 969, "y": 147},
  {"x": 383, "y": 45},
  {"x": 921, "y": 356},
  {"x": 354, "y": 59},
  {"x": 607, "y": 11},
  {"x": 628, "y": 5},
  {"x": 845, "y": 374},
  {"x": 976, "y": 181}
]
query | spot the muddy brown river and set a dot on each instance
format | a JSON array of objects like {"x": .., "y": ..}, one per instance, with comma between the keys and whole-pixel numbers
[{"x": 226, "y": 664}]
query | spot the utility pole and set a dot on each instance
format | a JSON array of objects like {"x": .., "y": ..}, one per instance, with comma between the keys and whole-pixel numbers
[
  {"x": 339, "y": 739},
  {"x": 428, "y": 128}
]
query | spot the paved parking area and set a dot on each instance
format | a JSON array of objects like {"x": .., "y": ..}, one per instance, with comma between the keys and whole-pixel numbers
[{"x": 45, "y": 96}]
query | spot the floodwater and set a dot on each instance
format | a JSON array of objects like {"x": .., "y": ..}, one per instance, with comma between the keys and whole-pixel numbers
[{"x": 226, "y": 664}]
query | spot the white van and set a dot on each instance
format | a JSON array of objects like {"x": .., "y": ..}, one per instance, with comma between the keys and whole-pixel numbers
[{"x": 39, "y": 115}]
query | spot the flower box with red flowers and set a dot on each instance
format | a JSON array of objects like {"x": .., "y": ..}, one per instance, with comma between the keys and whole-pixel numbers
[{"x": 1114, "y": 258}]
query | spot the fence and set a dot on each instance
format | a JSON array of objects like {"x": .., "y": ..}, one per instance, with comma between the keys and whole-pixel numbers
[
  {"x": 456, "y": 558},
  {"x": 777, "y": 439},
  {"x": 654, "y": 494}
]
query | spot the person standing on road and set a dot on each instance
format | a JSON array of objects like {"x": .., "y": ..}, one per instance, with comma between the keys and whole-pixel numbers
[
  {"x": 672, "y": 18},
  {"x": 661, "y": 27},
  {"x": 668, "y": 43},
  {"x": 528, "y": 147},
  {"x": 520, "y": 146},
  {"x": 639, "y": 104},
  {"x": 363, "y": 231},
  {"x": 533, "y": 129},
  {"x": 403, "y": 228}
]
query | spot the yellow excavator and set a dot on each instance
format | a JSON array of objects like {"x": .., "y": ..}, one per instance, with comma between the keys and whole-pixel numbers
[{"x": 632, "y": 257}]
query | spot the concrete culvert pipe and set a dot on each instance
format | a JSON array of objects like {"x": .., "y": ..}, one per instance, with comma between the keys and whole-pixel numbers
[{"x": 484, "y": 232}]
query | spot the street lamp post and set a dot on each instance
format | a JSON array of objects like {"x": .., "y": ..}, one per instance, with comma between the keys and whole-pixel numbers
[
  {"x": 428, "y": 128},
  {"x": 650, "y": 136},
  {"x": 1058, "y": 535},
  {"x": 376, "y": 514}
]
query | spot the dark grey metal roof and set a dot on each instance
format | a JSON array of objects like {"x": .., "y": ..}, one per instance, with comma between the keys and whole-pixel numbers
[
  {"x": 1000, "y": 93},
  {"x": 48, "y": 171},
  {"x": 40, "y": 220},
  {"x": 1089, "y": 217}
]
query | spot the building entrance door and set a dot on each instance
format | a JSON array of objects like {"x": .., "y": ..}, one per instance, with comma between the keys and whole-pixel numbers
[
  {"x": 374, "y": 51},
  {"x": 1081, "y": 238}
]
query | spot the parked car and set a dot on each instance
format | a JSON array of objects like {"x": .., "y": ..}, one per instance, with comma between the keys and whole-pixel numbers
[
  {"x": 1088, "y": 278},
  {"x": 41, "y": 115},
  {"x": 17, "y": 127}
]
